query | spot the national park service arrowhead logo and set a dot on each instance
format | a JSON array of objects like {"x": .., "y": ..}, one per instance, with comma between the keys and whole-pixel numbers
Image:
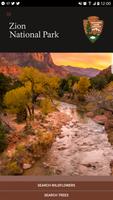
[{"x": 93, "y": 27}]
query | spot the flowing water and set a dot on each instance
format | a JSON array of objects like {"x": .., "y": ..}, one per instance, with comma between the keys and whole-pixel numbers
[{"x": 82, "y": 148}]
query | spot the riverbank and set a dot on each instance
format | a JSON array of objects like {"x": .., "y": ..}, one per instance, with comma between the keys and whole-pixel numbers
[
  {"x": 29, "y": 143},
  {"x": 63, "y": 143},
  {"x": 81, "y": 148}
]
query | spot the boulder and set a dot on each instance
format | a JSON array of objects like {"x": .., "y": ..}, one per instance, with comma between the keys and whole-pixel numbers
[
  {"x": 90, "y": 114},
  {"x": 111, "y": 163},
  {"x": 100, "y": 119},
  {"x": 108, "y": 114},
  {"x": 109, "y": 124}
]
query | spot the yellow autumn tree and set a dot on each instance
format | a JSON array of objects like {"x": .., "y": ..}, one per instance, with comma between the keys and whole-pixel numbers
[
  {"x": 34, "y": 83},
  {"x": 18, "y": 99},
  {"x": 81, "y": 87},
  {"x": 39, "y": 83}
]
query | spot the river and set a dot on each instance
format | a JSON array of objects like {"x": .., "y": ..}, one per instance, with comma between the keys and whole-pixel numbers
[{"x": 82, "y": 149}]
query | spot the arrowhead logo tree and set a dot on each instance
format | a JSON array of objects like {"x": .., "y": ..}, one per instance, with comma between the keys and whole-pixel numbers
[{"x": 93, "y": 27}]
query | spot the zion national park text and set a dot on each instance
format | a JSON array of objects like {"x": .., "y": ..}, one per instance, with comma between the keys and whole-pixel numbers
[{"x": 19, "y": 31}]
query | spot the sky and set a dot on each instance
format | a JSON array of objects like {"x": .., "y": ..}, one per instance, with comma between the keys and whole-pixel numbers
[{"x": 83, "y": 60}]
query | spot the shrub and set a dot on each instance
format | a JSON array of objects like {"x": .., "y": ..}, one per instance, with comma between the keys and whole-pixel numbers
[
  {"x": 46, "y": 106},
  {"x": 3, "y": 139},
  {"x": 28, "y": 130},
  {"x": 98, "y": 82},
  {"x": 46, "y": 139},
  {"x": 13, "y": 168},
  {"x": 21, "y": 116}
]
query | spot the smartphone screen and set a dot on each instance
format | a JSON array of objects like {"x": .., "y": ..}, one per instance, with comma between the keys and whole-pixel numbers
[{"x": 56, "y": 100}]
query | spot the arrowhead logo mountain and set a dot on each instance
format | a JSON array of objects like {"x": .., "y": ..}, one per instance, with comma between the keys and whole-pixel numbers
[{"x": 93, "y": 27}]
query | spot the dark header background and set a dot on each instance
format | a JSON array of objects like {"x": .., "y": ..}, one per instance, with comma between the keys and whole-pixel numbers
[
  {"x": 66, "y": 20},
  {"x": 49, "y": 3}
]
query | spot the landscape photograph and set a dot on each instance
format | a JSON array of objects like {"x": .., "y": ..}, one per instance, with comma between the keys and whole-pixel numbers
[{"x": 56, "y": 114}]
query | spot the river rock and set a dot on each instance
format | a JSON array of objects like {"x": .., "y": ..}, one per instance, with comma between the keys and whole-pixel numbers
[
  {"x": 27, "y": 166},
  {"x": 61, "y": 136},
  {"x": 91, "y": 157},
  {"x": 62, "y": 148},
  {"x": 58, "y": 171},
  {"x": 45, "y": 165}
]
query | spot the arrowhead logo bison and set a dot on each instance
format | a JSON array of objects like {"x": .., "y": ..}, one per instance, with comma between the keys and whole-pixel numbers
[{"x": 93, "y": 27}]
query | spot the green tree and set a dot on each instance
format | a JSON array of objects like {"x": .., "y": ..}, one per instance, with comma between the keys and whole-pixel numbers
[
  {"x": 5, "y": 85},
  {"x": 3, "y": 140},
  {"x": 88, "y": 28},
  {"x": 98, "y": 82},
  {"x": 66, "y": 85}
]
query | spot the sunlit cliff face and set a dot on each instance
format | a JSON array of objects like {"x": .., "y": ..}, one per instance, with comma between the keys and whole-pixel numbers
[{"x": 83, "y": 60}]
